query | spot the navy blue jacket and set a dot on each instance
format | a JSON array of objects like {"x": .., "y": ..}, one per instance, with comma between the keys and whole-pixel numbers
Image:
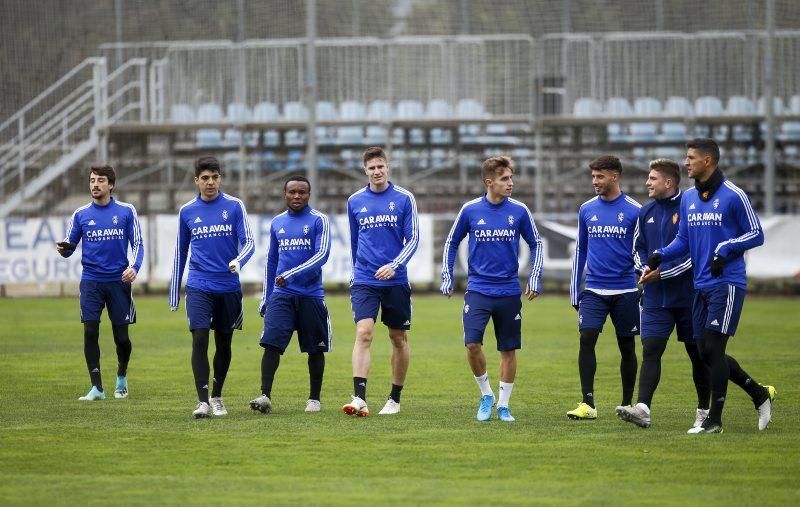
[{"x": 656, "y": 227}]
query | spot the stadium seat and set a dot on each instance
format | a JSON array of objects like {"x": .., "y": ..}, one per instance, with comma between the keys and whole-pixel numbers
[
  {"x": 351, "y": 111},
  {"x": 181, "y": 113},
  {"x": 794, "y": 105},
  {"x": 708, "y": 106},
  {"x": 617, "y": 107},
  {"x": 326, "y": 111},
  {"x": 410, "y": 110},
  {"x": 741, "y": 106},
  {"x": 678, "y": 107},
  {"x": 378, "y": 110},
  {"x": 469, "y": 109},
  {"x": 239, "y": 113},
  {"x": 587, "y": 107},
  {"x": 267, "y": 112},
  {"x": 777, "y": 106},
  {"x": 439, "y": 110},
  {"x": 209, "y": 138},
  {"x": 645, "y": 132},
  {"x": 295, "y": 112}
]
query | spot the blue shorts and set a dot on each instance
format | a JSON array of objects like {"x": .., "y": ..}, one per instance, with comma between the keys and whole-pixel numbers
[
  {"x": 213, "y": 310},
  {"x": 718, "y": 309},
  {"x": 659, "y": 322},
  {"x": 624, "y": 310},
  {"x": 506, "y": 314},
  {"x": 394, "y": 302},
  {"x": 309, "y": 316},
  {"x": 117, "y": 297}
]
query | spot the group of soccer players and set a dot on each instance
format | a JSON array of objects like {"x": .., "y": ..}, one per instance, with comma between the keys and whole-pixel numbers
[{"x": 704, "y": 232}]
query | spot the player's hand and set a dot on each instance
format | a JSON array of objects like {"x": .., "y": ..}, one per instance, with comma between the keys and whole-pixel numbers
[
  {"x": 262, "y": 309},
  {"x": 234, "y": 266},
  {"x": 654, "y": 260},
  {"x": 129, "y": 275},
  {"x": 650, "y": 275},
  {"x": 384, "y": 273},
  {"x": 717, "y": 263},
  {"x": 65, "y": 248},
  {"x": 446, "y": 289},
  {"x": 280, "y": 281},
  {"x": 531, "y": 294}
]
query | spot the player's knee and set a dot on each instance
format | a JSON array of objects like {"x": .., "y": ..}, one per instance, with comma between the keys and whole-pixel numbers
[
  {"x": 200, "y": 338},
  {"x": 474, "y": 349},
  {"x": 399, "y": 338},
  {"x": 626, "y": 344},
  {"x": 121, "y": 336},
  {"x": 653, "y": 348},
  {"x": 589, "y": 337},
  {"x": 364, "y": 334},
  {"x": 91, "y": 330}
]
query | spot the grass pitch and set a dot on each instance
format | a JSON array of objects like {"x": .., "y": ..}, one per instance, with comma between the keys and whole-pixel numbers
[{"x": 147, "y": 449}]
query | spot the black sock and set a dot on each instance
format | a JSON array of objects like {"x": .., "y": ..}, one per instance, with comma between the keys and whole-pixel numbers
[
  {"x": 222, "y": 360},
  {"x": 91, "y": 351},
  {"x": 587, "y": 364},
  {"x": 124, "y": 348},
  {"x": 395, "y": 394},
  {"x": 269, "y": 365},
  {"x": 316, "y": 368},
  {"x": 712, "y": 350},
  {"x": 200, "y": 367},
  {"x": 652, "y": 350},
  {"x": 360, "y": 387},
  {"x": 738, "y": 376},
  {"x": 628, "y": 364},
  {"x": 701, "y": 376}
]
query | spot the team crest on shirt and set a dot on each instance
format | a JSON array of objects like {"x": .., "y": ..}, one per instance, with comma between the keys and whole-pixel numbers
[
  {"x": 510, "y": 220},
  {"x": 466, "y": 308},
  {"x": 224, "y": 214},
  {"x": 675, "y": 218},
  {"x": 620, "y": 217},
  {"x": 716, "y": 203},
  {"x": 306, "y": 228},
  {"x": 391, "y": 205},
  {"x": 115, "y": 219}
]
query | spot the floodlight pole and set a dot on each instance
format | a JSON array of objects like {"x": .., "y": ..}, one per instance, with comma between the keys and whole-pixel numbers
[
  {"x": 769, "y": 96},
  {"x": 311, "y": 97}
]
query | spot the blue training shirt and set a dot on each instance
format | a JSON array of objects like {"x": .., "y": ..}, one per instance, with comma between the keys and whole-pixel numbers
[
  {"x": 494, "y": 233},
  {"x": 299, "y": 245},
  {"x": 656, "y": 227},
  {"x": 106, "y": 232},
  {"x": 725, "y": 225},
  {"x": 218, "y": 232},
  {"x": 604, "y": 245},
  {"x": 384, "y": 229}
]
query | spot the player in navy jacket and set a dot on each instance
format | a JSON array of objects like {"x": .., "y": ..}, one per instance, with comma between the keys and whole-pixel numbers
[
  {"x": 106, "y": 227},
  {"x": 495, "y": 223},
  {"x": 215, "y": 226},
  {"x": 384, "y": 233},
  {"x": 293, "y": 296},
  {"x": 666, "y": 303},
  {"x": 717, "y": 225},
  {"x": 604, "y": 246}
]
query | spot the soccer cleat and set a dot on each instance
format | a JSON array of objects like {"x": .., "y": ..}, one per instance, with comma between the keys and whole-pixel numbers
[
  {"x": 311, "y": 406},
  {"x": 93, "y": 394},
  {"x": 218, "y": 406},
  {"x": 765, "y": 409},
  {"x": 203, "y": 410},
  {"x": 706, "y": 427},
  {"x": 485, "y": 407},
  {"x": 702, "y": 413},
  {"x": 121, "y": 391},
  {"x": 636, "y": 415},
  {"x": 504, "y": 414},
  {"x": 391, "y": 407},
  {"x": 357, "y": 407},
  {"x": 264, "y": 405},
  {"x": 582, "y": 411}
]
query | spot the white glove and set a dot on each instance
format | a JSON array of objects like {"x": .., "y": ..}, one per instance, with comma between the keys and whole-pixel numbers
[{"x": 234, "y": 266}]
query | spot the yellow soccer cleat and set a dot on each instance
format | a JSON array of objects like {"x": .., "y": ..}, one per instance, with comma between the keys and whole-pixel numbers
[{"x": 583, "y": 411}]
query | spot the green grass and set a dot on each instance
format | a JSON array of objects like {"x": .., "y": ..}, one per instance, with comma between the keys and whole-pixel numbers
[{"x": 147, "y": 449}]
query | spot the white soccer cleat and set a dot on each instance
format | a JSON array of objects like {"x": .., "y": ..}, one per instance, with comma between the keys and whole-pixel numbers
[
  {"x": 391, "y": 407},
  {"x": 765, "y": 409},
  {"x": 218, "y": 406},
  {"x": 313, "y": 406},
  {"x": 121, "y": 390},
  {"x": 263, "y": 404},
  {"x": 637, "y": 414},
  {"x": 93, "y": 394},
  {"x": 700, "y": 416},
  {"x": 203, "y": 410},
  {"x": 357, "y": 407}
]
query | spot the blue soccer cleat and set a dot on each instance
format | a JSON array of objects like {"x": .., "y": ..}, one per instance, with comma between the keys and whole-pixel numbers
[
  {"x": 504, "y": 414},
  {"x": 93, "y": 394},
  {"x": 121, "y": 391},
  {"x": 485, "y": 407}
]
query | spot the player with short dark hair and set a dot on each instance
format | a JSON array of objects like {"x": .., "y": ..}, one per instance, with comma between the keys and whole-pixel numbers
[
  {"x": 666, "y": 303},
  {"x": 215, "y": 226},
  {"x": 495, "y": 223},
  {"x": 107, "y": 227},
  {"x": 384, "y": 233},
  {"x": 604, "y": 245},
  {"x": 294, "y": 298},
  {"x": 717, "y": 226}
]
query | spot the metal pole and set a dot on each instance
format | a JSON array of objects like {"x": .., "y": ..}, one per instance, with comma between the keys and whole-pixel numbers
[
  {"x": 311, "y": 96},
  {"x": 660, "y": 15},
  {"x": 118, "y": 16},
  {"x": 769, "y": 94},
  {"x": 240, "y": 31}
]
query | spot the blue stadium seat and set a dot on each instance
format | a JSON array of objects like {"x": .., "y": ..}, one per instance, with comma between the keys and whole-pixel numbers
[
  {"x": 209, "y": 138},
  {"x": 709, "y": 106},
  {"x": 295, "y": 112},
  {"x": 439, "y": 110},
  {"x": 469, "y": 109},
  {"x": 778, "y": 109},
  {"x": 181, "y": 113},
  {"x": 378, "y": 110},
  {"x": 587, "y": 107},
  {"x": 239, "y": 113},
  {"x": 351, "y": 111},
  {"x": 617, "y": 107},
  {"x": 790, "y": 130},
  {"x": 645, "y": 132},
  {"x": 326, "y": 111},
  {"x": 674, "y": 131},
  {"x": 741, "y": 106},
  {"x": 410, "y": 110},
  {"x": 267, "y": 112}
]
